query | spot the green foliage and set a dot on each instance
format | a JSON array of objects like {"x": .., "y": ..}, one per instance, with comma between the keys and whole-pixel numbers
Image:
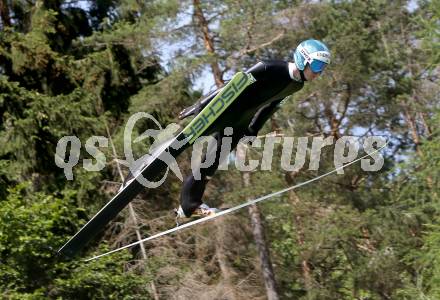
[
  {"x": 101, "y": 279},
  {"x": 34, "y": 122},
  {"x": 58, "y": 78},
  {"x": 430, "y": 31},
  {"x": 34, "y": 226}
]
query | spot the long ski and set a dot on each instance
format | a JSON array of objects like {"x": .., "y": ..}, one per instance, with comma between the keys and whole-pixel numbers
[
  {"x": 235, "y": 208},
  {"x": 199, "y": 125}
]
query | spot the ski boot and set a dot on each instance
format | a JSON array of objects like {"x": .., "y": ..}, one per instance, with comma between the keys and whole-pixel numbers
[{"x": 200, "y": 212}]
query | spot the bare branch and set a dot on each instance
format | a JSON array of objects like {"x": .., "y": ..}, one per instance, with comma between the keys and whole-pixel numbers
[{"x": 276, "y": 38}]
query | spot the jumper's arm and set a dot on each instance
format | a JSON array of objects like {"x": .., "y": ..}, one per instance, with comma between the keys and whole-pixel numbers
[
  {"x": 262, "y": 115},
  {"x": 257, "y": 71}
]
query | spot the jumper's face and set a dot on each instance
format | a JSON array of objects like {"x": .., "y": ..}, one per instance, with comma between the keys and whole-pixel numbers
[{"x": 309, "y": 74}]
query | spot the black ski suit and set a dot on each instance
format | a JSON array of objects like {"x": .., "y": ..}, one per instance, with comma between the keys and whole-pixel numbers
[{"x": 246, "y": 115}]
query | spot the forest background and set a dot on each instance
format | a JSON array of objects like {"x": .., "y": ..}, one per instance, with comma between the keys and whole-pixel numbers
[{"x": 83, "y": 67}]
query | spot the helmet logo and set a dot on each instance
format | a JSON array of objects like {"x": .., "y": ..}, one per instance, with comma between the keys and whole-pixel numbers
[
  {"x": 323, "y": 54},
  {"x": 306, "y": 55}
]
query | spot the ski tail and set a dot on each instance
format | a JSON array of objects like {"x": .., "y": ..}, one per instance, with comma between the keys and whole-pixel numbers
[{"x": 198, "y": 106}]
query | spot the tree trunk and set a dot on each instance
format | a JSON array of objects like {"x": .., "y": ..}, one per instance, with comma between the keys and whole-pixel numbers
[
  {"x": 260, "y": 241},
  {"x": 4, "y": 13},
  {"x": 209, "y": 43}
]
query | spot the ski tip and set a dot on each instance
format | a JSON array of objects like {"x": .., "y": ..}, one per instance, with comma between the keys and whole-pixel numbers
[
  {"x": 66, "y": 251},
  {"x": 61, "y": 256},
  {"x": 64, "y": 254}
]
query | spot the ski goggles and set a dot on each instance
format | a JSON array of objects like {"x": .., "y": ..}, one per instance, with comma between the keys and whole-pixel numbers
[
  {"x": 317, "y": 60},
  {"x": 317, "y": 66}
]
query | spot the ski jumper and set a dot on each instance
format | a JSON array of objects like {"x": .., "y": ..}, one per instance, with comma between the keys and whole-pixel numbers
[
  {"x": 244, "y": 104},
  {"x": 246, "y": 115}
]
